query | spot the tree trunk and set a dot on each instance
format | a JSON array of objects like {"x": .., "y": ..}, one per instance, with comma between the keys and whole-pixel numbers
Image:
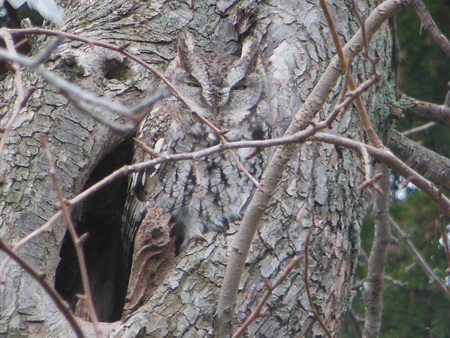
[{"x": 318, "y": 192}]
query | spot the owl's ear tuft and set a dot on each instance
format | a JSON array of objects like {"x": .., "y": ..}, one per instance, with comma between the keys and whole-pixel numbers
[
  {"x": 250, "y": 51},
  {"x": 250, "y": 57},
  {"x": 186, "y": 47},
  {"x": 186, "y": 42},
  {"x": 249, "y": 47},
  {"x": 254, "y": 63}
]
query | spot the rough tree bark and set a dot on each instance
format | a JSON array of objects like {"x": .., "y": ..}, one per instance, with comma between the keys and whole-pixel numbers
[{"x": 318, "y": 191}]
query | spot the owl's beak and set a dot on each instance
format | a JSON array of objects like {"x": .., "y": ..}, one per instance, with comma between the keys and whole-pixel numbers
[{"x": 215, "y": 106}]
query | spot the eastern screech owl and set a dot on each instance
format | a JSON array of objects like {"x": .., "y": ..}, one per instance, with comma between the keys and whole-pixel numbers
[{"x": 228, "y": 91}]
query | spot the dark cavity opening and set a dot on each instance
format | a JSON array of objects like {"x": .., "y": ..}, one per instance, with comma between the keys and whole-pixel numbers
[
  {"x": 113, "y": 69},
  {"x": 100, "y": 217}
]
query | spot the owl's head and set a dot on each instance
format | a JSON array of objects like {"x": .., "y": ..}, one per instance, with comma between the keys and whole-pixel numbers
[{"x": 224, "y": 88}]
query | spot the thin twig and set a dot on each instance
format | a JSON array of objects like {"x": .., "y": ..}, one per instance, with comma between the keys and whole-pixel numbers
[
  {"x": 22, "y": 95},
  {"x": 282, "y": 275},
  {"x": 220, "y": 134},
  {"x": 418, "y": 129},
  {"x": 145, "y": 148},
  {"x": 394, "y": 281},
  {"x": 343, "y": 62},
  {"x": 366, "y": 161},
  {"x": 340, "y": 53},
  {"x": 394, "y": 162},
  {"x": 300, "y": 137},
  {"x": 371, "y": 182},
  {"x": 198, "y": 176},
  {"x": 419, "y": 259},
  {"x": 79, "y": 96},
  {"x": 368, "y": 180},
  {"x": 45, "y": 52},
  {"x": 39, "y": 277},
  {"x": 373, "y": 137},
  {"x": 373, "y": 286},
  {"x": 68, "y": 89},
  {"x": 29, "y": 237},
  {"x": 429, "y": 24},
  {"x": 78, "y": 243},
  {"x": 334, "y": 34},
  {"x": 351, "y": 96},
  {"x": 308, "y": 292},
  {"x": 120, "y": 49}
]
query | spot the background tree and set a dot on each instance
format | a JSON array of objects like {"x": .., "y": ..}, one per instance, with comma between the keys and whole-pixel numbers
[
  {"x": 311, "y": 206},
  {"x": 413, "y": 305}
]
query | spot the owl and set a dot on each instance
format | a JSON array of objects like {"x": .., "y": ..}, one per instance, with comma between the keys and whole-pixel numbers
[{"x": 207, "y": 195}]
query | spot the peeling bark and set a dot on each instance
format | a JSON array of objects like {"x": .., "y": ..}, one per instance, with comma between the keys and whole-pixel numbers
[{"x": 317, "y": 191}]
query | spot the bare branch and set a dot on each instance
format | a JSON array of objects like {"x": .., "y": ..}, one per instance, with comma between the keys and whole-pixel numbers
[
  {"x": 270, "y": 287},
  {"x": 77, "y": 241},
  {"x": 120, "y": 49},
  {"x": 273, "y": 173},
  {"x": 418, "y": 259},
  {"x": 429, "y": 24},
  {"x": 22, "y": 94},
  {"x": 308, "y": 292},
  {"x": 356, "y": 92},
  {"x": 352, "y": 96},
  {"x": 418, "y": 129},
  {"x": 69, "y": 91},
  {"x": 286, "y": 140},
  {"x": 367, "y": 179},
  {"x": 39, "y": 277},
  {"x": 198, "y": 176},
  {"x": 46, "y": 51},
  {"x": 334, "y": 34},
  {"x": 426, "y": 162},
  {"x": 419, "y": 110},
  {"x": 145, "y": 148},
  {"x": 223, "y": 140},
  {"x": 392, "y": 161},
  {"x": 81, "y": 97},
  {"x": 394, "y": 281},
  {"x": 373, "y": 286},
  {"x": 373, "y": 137}
]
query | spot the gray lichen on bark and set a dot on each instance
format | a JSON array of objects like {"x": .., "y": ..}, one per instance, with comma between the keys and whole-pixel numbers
[{"x": 318, "y": 190}]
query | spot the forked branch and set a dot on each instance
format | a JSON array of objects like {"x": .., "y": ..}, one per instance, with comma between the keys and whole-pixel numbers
[
  {"x": 270, "y": 288},
  {"x": 60, "y": 304},
  {"x": 273, "y": 173},
  {"x": 77, "y": 240}
]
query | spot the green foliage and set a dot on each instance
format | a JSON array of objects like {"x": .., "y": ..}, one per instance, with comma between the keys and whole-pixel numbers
[
  {"x": 416, "y": 309},
  {"x": 424, "y": 68},
  {"x": 412, "y": 307}
]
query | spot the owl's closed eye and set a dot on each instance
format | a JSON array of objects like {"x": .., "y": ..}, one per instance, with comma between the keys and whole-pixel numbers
[{"x": 229, "y": 91}]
